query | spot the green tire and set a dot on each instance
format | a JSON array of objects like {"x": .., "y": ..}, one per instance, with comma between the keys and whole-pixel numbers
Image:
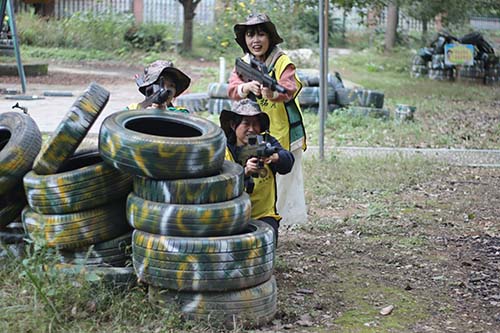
[
  {"x": 203, "y": 220},
  {"x": 162, "y": 145},
  {"x": 72, "y": 130},
  {"x": 20, "y": 142},
  {"x": 84, "y": 182},
  {"x": 250, "y": 307},
  {"x": 226, "y": 185},
  {"x": 205, "y": 264}
]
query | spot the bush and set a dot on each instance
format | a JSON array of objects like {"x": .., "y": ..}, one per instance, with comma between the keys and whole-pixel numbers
[{"x": 150, "y": 37}]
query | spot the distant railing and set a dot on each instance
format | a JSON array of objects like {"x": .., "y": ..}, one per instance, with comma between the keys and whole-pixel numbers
[
  {"x": 66, "y": 8},
  {"x": 485, "y": 23}
]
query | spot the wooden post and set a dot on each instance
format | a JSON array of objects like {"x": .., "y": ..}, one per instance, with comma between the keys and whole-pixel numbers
[{"x": 138, "y": 7}]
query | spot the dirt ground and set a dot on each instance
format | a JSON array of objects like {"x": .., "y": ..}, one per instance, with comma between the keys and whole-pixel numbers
[{"x": 432, "y": 265}]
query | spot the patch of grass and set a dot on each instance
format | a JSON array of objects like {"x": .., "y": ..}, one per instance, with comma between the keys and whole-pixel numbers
[{"x": 367, "y": 298}]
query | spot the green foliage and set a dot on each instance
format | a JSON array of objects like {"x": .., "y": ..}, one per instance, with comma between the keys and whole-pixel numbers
[{"x": 150, "y": 37}]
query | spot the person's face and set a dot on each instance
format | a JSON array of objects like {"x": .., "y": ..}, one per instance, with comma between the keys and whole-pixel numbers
[
  {"x": 248, "y": 126},
  {"x": 169, "y": 84},
  {"x": 257, "y": 42}
]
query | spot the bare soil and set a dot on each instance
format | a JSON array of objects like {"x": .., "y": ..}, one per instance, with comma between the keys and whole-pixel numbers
[{"x": 435, "y": 258}]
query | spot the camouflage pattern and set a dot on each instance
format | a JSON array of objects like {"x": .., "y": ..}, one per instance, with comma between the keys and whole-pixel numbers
[
  {"x": 213, "y": 219},
  {"x": 162, "y": 145},
  {"x": 218, "y": 90},
  {"x": 115, "y": 252},
  {"x": 76, "y": 190},
  {"x": 205, "y": 263},
  {"x": 72, "y": 129},
  {"x": 20, "y": 142},
  {"x": 225, "y": 186},
  {"x": 111, "y": 277},
  {"x": 76, "y": 230},
  {"x": 250, "y": 307}
]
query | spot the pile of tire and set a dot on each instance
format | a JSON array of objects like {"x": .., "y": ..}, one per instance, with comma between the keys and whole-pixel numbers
[
  {"x": 485, "y": 69},
  {"x": 76, "y": 202},
  {"x": 20, "y": 142},
  {"x": 309, "y": 94},
  {"x": 194, "y": 243},
  {"x": 218, "y": 98},
  {"x": 361, "y": 103}
]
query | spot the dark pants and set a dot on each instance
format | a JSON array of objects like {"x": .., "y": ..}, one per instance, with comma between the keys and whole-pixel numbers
[{"x": 273, "y": 223}]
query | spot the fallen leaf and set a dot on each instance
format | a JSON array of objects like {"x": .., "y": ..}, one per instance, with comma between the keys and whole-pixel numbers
[{"x": 387, "y": 310}]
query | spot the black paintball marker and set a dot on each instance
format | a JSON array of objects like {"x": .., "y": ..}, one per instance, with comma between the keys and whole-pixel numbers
[
  {"x": 155, "y": 93},
  {"x": 257, "y": 71},
  {"x": 256, "y": 147}
]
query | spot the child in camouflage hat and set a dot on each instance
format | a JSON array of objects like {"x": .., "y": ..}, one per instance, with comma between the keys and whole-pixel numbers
[{"x": 160, "y": 84}]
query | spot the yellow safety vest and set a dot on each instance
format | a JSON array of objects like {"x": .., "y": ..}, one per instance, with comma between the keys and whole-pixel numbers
[
  {"x": 263, "y": 197},
  {"x": 287, "y": 124}
]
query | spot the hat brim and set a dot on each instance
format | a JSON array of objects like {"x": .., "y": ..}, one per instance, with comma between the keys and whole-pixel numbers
[
  {"x": 240, "y": 29},
  {"x": 180, "y": 80},
  {"x": 226, "y": 116}
]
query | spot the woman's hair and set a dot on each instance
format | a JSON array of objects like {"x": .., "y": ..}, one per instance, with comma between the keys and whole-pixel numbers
[
  {"x": 235, "y": 121},
  {"x": 255, "y": 29}
]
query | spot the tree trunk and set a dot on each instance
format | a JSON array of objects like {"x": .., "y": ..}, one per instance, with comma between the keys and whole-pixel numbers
[
  {"x": 187, "y": 34},
  {"x": 424, "y": 31},
  {"x": 391, "y": 26}
]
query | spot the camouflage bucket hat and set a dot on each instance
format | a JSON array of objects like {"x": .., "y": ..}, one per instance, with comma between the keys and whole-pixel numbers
[
  {"x": 253, "y": 20},
  {"x": 245, "y": 107},
  {"x": 164, "y": 68}
]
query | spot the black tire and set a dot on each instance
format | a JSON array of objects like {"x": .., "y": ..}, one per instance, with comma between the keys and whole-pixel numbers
[
  {"x": 218, "y": 90},
  {"x": 226, "y": 185},
  {"x": 20, "y": 142},
  {"x": 372, "y": 99},
  {"x": 361, "y": 111},
  {"x": 249, "y": 307},
  {"x": 205, "y": 264},
  {"x": 216, "y": 105},
  {"x": 12, "y": 205},
  {"x": 76, "y": 230},
  {"x": 83, "y": 183},
  {"x": 115, "y": 252},
  {"x": 162, "y": 145},
  {"x": 205, "y": 220},
  {"x": 72, "y": 129},
  {"x": 310, "y": 96}
]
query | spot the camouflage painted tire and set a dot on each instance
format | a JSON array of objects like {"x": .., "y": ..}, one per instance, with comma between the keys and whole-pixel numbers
[
  {"x": 20, "y": 142},
  {"x": 218, "y": 90},
  {"x": 203, "y": 220},
  {"x": 162, "y": 145},
  {"x": 72, "y": 129},
  {"x": 194, "y": 102},
  {"x": 205, "y": 264},
  {"x": 227, "y": 185},
  {"x": 216, "y": 105},
  {"x": 310, "y": 96},
  {"x": 249, "y": 307},
  {"x": 84, "y": 182},
  {"x": 360, "y": 97},
  {"x": 76, "y": 230},
  {"x": 111, "y": 277},
  {"x": 114, "y": 252},
  {"x": 12, "y": 205}
]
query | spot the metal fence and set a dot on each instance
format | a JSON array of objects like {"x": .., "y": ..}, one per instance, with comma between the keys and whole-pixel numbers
[
  {"x": 66, "y": 8},
  {"x": 485, "y": 23}
]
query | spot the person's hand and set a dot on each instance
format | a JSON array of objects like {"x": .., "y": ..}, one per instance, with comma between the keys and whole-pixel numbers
[
  {"x": 251, "y": 166},
  {"x": 251, "y": 87},
  {"x": 272, "y": 159},
  {"x": 267, "y": 93}
]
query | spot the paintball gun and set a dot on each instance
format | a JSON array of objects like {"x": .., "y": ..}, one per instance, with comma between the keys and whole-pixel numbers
[
  {"x": 257, "y": 71},
  {"x": 156, "y": 93},
  {"x": 256, "y": 147}
]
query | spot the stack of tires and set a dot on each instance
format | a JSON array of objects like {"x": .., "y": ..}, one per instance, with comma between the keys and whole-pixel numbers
[
  {"x": 77, "y": 201},
  {"x": 438, "y": 70},
  {"x": 419, "y": 67},
  {"x": 309, "y": 94},
  {"x": 361, "y": 102},
  {"x": 218, "y": 98},
  {"x": 20, "y": 142},
  {"x": 194, "y": 243},
  {"x": 492, "y": 72}
]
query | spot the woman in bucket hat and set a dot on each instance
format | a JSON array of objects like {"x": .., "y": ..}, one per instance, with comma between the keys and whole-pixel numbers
[
  {"x": 160, "y": 84},
  {"x": 243, "y": 121},
  {"x": 259, "y": 39}
]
